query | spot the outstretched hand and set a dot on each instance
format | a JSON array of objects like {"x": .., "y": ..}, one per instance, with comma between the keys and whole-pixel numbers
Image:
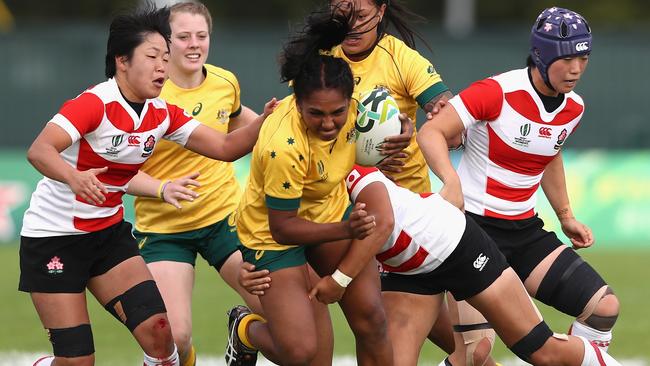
[
  {"x": 177, "y": 190},
  {"x": 86, "y": 185}
]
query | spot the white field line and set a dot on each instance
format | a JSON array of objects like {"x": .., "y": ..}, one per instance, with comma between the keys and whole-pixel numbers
[{"x": 15, "y": 358}]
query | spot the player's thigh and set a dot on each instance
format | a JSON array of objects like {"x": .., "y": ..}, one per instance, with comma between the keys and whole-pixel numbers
[
  {"x": 118, "y": 279},
  {"x": 58, "y": 311},
  {"x": 325, "y": 258},
  {"x": 508, "y": 307},
  {"x": 288, "y": 310},
  {"x": 175, "y": 281},
  {"x": 410, "y": 318}
]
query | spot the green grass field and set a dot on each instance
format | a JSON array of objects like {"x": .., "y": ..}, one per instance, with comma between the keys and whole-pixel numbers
[{"x": 21, "y": 331}]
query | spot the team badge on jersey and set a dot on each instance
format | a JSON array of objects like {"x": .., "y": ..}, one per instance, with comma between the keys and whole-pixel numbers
[
  {"x": 222, "y": 116},
  {"x": 561, "y": 139},
  {"x": 149, "y": 144}
]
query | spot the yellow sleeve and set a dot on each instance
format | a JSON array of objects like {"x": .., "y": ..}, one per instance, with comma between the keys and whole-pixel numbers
[
  {"x": 236, "y": 105},
  {"x": 285, "y": 169},
  {"x": 422, "y": 79}
]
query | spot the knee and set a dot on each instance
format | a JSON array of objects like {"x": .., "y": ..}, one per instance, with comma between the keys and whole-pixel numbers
[
  {"x": 299, "y": 353},
  {"x": 369, "y": 323},
  {"x": 158, "y": 332},
  {"x": 605, "y": 313},
  {"x": 480, "y": 353},
  {"x": 608, "y": 306}
]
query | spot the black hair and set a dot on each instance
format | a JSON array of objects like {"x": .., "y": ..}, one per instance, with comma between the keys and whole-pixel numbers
[
  {"x": 304, "y": 61},
  {"x": 400, "y": 17},
  {"x": 128, "y": 31}
]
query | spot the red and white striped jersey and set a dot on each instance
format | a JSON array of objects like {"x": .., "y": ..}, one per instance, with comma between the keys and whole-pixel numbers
[
  {"x": 427, "y": 228},
  {"x": 105, "y": 131},
  {"x": 510, "y": 141}
]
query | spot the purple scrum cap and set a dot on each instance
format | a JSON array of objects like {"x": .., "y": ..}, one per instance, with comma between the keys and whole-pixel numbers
[{"x": 558, "y": 33}]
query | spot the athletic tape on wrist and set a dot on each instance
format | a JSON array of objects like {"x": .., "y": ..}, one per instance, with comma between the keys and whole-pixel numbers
[{"x": 341, "y": 278}]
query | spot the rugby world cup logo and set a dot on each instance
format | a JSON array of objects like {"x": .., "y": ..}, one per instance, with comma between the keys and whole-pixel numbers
[{"x": 369, "y": 112}]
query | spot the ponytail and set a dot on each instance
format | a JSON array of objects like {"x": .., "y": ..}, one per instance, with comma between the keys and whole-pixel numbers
[{"x": 304, "y": 60}]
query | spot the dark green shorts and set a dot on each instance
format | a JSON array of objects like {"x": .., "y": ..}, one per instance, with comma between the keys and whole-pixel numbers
[
  {"x": 274, "y": 260},
  {"x": 215, "y": 243}
]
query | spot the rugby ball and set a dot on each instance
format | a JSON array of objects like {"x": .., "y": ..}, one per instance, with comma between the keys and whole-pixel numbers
[{"x": 377, "y": 118}]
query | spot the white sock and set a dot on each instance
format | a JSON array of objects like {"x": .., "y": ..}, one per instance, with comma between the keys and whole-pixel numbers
[
  {"x": 600, "y": 338},
  {"x": 167, "y": 361},
  {"x": 445, "y": 362},
  {"x": 594, "y": 356},
  {"x": 44, "y": 361}
]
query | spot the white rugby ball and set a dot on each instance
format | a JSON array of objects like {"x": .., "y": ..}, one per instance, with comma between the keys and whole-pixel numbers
[{"x": 377, "y": 118}]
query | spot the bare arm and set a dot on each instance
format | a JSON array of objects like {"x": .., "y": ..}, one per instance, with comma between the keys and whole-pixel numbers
[
  {"x": 433, "y": 107},
  {"x": 245, "y": 117},
  {"x": 170, "y": 191},
  {"x": 232, "y": 146},
  {"x": 328, "y": 289},
  {"x": 287, "y": 228},
  {"x": 554, "y": 187},
  {"x": 432, "y": 139},
  {"x": 44, "y": 155}
]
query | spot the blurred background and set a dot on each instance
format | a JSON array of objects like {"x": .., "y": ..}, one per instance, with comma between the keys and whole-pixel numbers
[{"x": 50, "y": 51}]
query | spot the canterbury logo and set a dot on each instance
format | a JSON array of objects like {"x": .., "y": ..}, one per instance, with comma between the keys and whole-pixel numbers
[
  {"x": 545, "y": 132},
  {"x": 134, "y": 140},
  {"x": 582, "y": 46},
  {"x": 481, "y": 261}
]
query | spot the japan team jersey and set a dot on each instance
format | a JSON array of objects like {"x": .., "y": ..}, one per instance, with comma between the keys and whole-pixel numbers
[
  {"x": 212, "y": 103},
  {"x": 105, "y": 132},
  {"x": 293, "y": 169},
  {"x": 411, "y": 80},
  {"x": 427, "y": 228},
  {"x": 510, "y": 141}
]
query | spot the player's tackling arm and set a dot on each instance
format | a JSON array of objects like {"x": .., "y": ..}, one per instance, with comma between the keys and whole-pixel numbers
[
  {"x": 362, "y": 251},
  {"x": 331, "y": 288},
  {"x": 287, "y": 228},
  {"x": 433, "y": 107},
  {"x": 232, "y": 146}
]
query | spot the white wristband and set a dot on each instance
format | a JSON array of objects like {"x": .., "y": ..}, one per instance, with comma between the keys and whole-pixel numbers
[{"x": 341, "y": 278}]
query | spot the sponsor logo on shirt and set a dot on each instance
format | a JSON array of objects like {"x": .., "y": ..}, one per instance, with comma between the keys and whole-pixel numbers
[
  {"x": 481, "y": 261},
  {"x": 134, "y": 140},
  {"x": 197, "y": 109},
  {"x": 545, "y": 132}
]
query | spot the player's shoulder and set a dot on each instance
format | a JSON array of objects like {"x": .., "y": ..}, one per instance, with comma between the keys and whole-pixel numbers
[
  {"x": 283, "y": 128},
  {"x": 512, "y": 80},
  {"x": 219, "y": 72}
]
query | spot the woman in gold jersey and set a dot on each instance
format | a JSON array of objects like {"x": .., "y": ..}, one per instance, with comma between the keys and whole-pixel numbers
[
  {"x": 293, "y": 209},
  {"x": 378, "y": 58},
  {"x": 171, "y": 237}
]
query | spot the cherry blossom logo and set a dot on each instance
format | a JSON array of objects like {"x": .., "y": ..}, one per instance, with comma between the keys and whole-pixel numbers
[{"x": 55, "y": 266}]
